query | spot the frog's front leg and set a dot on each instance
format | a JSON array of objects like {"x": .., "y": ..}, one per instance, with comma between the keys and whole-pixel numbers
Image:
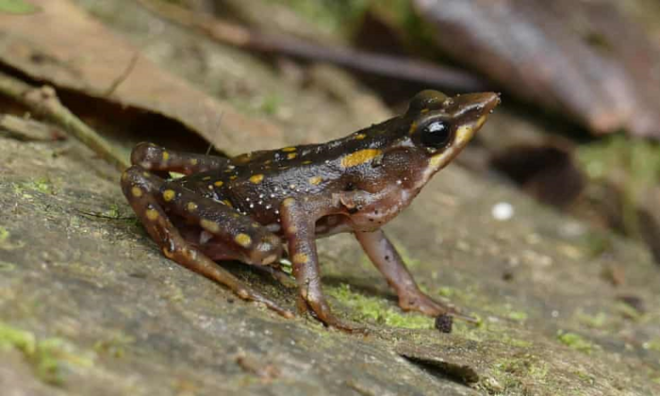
[
  {"x": 388, "y": 261},
  {"x": 298, "y": 216},
  {"x": 142, "y": 189}
]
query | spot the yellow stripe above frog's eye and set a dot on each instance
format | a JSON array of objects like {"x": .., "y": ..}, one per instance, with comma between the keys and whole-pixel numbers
[
  {"x": 360, "y": 136},
  {"x": 289, "y": 149},
  {"x": 291, "y": 155},
  {"x": 219, "y": 183},
  {"x": 359, "y": 157}
]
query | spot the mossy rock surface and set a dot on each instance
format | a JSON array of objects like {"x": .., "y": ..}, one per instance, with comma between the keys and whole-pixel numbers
[{"x": 88, "y": 305}]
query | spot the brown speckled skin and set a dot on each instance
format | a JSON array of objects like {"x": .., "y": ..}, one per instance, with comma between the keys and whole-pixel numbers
[{"x": 243, "y": 208}]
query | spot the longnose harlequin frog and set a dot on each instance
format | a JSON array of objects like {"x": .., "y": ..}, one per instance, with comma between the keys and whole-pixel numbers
[{"x": 245, "y": 208}]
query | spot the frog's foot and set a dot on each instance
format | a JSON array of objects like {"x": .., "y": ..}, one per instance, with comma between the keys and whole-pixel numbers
[
  {"x": 142, "y": 191},
  {"x": 388, "y": 261},
  {"x": 321, "y": 310},
  {"x": 417, "y": 301}
]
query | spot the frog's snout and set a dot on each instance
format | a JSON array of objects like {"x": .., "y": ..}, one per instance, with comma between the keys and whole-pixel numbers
[{"x": 473, "y": 106}]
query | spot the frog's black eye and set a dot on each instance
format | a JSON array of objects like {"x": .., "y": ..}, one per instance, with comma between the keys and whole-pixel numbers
[{"x": 436, "y": 134}]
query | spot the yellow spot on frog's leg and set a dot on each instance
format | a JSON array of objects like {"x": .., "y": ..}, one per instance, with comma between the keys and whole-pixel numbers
[
  {"x": 219, "y": 183},
  {"x": 136, "y": 191},
  {"x": 316, "y": 180},
  {"x": 152, "y": 214},
  {"x": 146, "y": 174},
  {"x": 168, "y": 195},
  {"x": 291, "y": 155},
  {"x": 424, "y": 111},
  {"x": 306, "y": 162},
  {"x": 289, "y": 149},
  {"x": 206, "y": 178},
  {"x": 191, "y": 206},
  {"x": 359, "y": 157},
  {"x": 360, "y": 136},
  {"x": 267, "y": 162},
  {"x": 228, "y": 203},
  {"x": 413, "y": 128},
  {"x": 243, "y": 240},
  {"x": 256, "y": 179},
  {"x": 166, "y": 156},
  {"x": 300, "y": 258},
  {"x": 233, "y": 177},
  {"x": 210, "y": 226},
  {"x": 288, "y": 202},
  {"x": 194, "y": 161}
]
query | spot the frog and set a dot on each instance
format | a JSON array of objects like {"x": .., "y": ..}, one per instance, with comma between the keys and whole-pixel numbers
[{"x": 265, "y": 207}]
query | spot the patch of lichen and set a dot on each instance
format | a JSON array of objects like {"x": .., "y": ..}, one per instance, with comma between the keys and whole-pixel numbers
[
  {"x": 49, "y": 357},
  {"x": 377, "y": 309}
]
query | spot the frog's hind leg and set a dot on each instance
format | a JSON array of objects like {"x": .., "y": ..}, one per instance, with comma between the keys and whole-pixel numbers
[
  {"x": 142, "y": 189},
  {"x": 388, "y": 261},
  {"x": 155, "y": 158}
]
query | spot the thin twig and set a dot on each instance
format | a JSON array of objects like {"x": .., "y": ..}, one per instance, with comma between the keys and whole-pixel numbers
[
  {"x": 44, "y": 101},
  {"x": 119, "y": 80},
  {"x": 402, "y": 68}
]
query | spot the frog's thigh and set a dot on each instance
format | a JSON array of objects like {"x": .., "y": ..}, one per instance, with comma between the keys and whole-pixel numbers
[
  {"x": 156, "y": 158},
  {"x": 141, "y": 190},
  {"x": 249, "y": 241}
]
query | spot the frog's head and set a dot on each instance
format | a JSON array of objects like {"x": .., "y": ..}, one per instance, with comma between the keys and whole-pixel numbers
[{"x": 441, "y": 126}]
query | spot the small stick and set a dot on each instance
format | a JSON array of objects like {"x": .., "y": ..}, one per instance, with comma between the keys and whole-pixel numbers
[
  {"x": 119, "y": 80},
  {"x": 43, "y": 100},
  {"x": 391, "y": 66}
]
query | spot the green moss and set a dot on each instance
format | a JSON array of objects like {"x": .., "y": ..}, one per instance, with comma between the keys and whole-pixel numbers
[
  {"x": 652, "y": 345},
  {"x": 12, "y": 337},
  {"x": 271, "y": 104},
  {"x": 378, "y": 310},
  {"x": 575, "y": 341},
  {"x": 4, "y": 234},
  {"x": 6, "y": 266},
  {"x": 596, "y": 321},
  {"x": 17, "y": 7},
  {"x": 48, "y": 357}
]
